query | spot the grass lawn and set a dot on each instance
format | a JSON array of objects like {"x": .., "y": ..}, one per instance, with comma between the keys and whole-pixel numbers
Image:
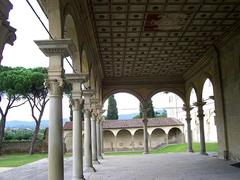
[
  {"x": 211, "y": 147},
  {"x": 15, "y": 160},
  {"x": 175, "y": 148}
]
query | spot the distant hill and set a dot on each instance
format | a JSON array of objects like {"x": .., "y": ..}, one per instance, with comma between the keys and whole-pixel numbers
[
  {"x": 27, "y": 124},
  {"x": 126, "y": 116}
]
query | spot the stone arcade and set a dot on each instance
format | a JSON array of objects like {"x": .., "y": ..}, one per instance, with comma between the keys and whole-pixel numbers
[
  {"x": 140, "y": 47},
  {"x": 127, "y": 135}
]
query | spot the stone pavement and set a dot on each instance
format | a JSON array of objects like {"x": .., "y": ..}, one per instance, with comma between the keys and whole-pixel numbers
[{"x": 181, "y": 166}]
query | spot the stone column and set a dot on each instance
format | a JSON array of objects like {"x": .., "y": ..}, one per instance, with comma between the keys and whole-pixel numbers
[
  {"x": 98, "y": 126},
  {"x": 7, "y": 33},
  {"x": 200, "y": 116},
  {"x": 55, "y": 50},
  {"x": 77, "y": 107},
  {"x": 87, "y": 131},
  {"x": 145, "y": 132},
  {"x": 101, "y": 136},
  {"x": 189, "y": 129},
  {"x": 94, "y": 137}
]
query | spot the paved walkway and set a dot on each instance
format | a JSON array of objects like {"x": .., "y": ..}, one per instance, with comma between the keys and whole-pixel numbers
[{"x": 182, "y": 166}]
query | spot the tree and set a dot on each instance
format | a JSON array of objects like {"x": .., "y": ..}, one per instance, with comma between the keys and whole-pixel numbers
[
  {"x": 37, "y": 99},
  {"x": 112, "y": 111},
  {"x": 150, "y": 110},
  {"x": 14, "y": 82}
]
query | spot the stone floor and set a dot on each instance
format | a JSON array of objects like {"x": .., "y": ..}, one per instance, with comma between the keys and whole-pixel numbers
[{"x": 182, "y": 166}]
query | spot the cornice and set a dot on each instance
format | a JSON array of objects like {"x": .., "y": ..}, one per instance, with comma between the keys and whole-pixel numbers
[{"x": 142, "y": 81}]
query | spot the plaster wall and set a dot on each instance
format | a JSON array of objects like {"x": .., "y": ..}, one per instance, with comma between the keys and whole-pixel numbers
[{"x": 230, "y": 67}]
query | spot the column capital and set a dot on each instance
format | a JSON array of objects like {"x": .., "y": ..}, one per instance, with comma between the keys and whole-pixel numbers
[
  {"x": 187, "y": 108},
  {"x": 63, "y": 47},
  {"x": 145, "y": 121},
  {"x": 76, "y": 104},
  {"x": 55, "y": 86},
  {"x": 87, "y": 94},
  {"x": 199, "y": 104}
]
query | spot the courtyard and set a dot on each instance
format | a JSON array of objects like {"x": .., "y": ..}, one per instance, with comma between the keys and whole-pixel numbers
[{"x": 177, "y": 166}]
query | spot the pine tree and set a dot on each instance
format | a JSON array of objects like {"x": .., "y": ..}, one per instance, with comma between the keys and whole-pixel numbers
[
  {"x": 150, "y": 112},
  {"x": 112, "y": 111}
]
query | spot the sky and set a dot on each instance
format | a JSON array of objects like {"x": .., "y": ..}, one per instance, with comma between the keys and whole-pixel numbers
[{"x": 25, "y": 53}]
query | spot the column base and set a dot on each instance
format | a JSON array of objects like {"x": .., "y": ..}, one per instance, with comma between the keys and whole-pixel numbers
[
  {"x": 100, "y": 157},
  {"x": 191, "y": 151},
  {"x": 145, "y": 152},
  {"x": 203, "y": 153},
  {"x": 89, "y": 169},
  {"x": 77, "y": 178},
  {"x": 96, "y": 162}
]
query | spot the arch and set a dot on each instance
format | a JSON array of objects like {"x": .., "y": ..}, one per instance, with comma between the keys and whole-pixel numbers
[
  {"x": 70, "y": 31},
  {"x": 84, "y": 61},
  {"x": 108, "y": 140},
  {"x": 68, "y": 141},
  {"x": 158, "y": 138},
  {"x": 124, "y": 140},
  {"x": 114, "y": 91},
  {"x": 138, "y": 139},
  {"x": 167, "y": 104},
  {"x": 205, "y": 77},
  {"x": 193, "y": 94},
  {"x": 175, "y": 136},
  {"x": 172, "y": 90},
  {"x": 189, "y": 90}
]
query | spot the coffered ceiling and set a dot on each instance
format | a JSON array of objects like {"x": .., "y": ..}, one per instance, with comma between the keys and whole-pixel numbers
[{"x": 158, "y": 38}]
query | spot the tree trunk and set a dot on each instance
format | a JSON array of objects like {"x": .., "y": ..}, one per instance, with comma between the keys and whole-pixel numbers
[
  {"x": 34, "y": 138},
  {"x": 2, "y": 128}
]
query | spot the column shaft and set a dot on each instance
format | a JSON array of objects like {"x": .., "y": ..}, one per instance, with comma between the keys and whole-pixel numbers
[
  {"x": 87, "y": 142},
  {"x": 145, "y": 138},
  {"x": 94, "y": 138},
  {"x": 77, "y": 142},
  {"x": 101, "y": 137},
  {"x": 99, "y": 152},
  {"x": 200, "y": 116},
  {"x": 55, "y": 141},
  {"x": 189, "y": 130}
]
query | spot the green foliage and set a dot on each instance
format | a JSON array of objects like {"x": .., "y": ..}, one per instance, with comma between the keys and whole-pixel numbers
[
  {"x": 137, "y": 116},
  {"x": 112, "y": 111},
  {"x": 22, "y": 134},
  {"x": 150, "y": 110},
  {"x": 161, "y": 114}
]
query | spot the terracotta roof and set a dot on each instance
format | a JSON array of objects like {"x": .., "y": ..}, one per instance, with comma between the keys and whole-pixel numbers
[{"x": 134, "y": 123}]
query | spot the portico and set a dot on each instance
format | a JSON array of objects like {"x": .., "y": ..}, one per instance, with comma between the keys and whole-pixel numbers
[{"x": 141, "y": 47}]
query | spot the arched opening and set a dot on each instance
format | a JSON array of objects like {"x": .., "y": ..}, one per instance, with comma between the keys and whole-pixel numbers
[
  {"x": 167, "y": 104},
  {"x": 158, "y": 138},
  {"x": 124, "y": 140},
  {"x": 108, "y": 141},
  {"x": 175, "y": 136},
  {"x": 68, "y": 142},
  {"x": 70, "y": 32},
  {"x": 194, "y": 121},
  {"x": 138, "y": 140},
  {"x": 209, "y": 111},
  {"x": 127, "y": 106}
]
